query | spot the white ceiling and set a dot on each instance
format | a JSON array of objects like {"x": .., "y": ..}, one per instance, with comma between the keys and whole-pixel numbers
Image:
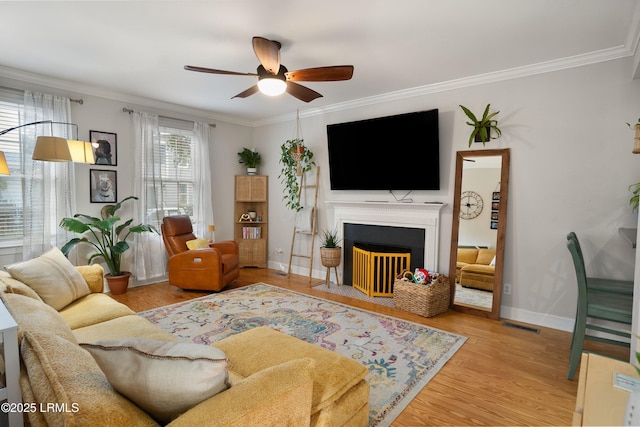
[{"x": 136, "y": 50}]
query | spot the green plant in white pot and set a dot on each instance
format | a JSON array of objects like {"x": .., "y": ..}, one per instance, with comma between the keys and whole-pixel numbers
[
  {"x": 482, "y": 127},
  {"x": 296, "y": 159},
  {"x": 251, "y": 159},
  {"x": 109, "y": 239}
]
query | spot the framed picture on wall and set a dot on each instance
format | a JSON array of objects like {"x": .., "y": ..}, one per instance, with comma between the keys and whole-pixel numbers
[
  {"x": 494, "y": 225},
  {"x": 104, "y": 147},
  {"x": 495, "y": 196},
  {"x": 103, "y": 186},
  {"x": 494, "y": 215}
]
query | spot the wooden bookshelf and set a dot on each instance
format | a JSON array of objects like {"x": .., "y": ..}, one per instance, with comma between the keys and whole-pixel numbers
[{"x": 252, "y": 194}]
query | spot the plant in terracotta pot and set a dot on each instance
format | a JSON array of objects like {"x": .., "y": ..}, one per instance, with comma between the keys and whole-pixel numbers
[
  {"x": 296, "y": 159},
  {"x": 250, "y": 158},
  {"x": 636, "y": 145},
  {"x": 330, "y": 250},
  {"x": 109, "y": 239},
  {"x": 482, "y": 127}
]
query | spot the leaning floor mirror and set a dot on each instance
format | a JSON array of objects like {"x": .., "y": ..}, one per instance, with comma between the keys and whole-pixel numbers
[{"x": 478, "y": 231}]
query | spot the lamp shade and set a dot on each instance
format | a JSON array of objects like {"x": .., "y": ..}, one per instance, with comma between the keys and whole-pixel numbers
[
  {"x": 4, "y": 168},
  {"x": 52, "y": 149},
  {"x": 81, "y": 151}
]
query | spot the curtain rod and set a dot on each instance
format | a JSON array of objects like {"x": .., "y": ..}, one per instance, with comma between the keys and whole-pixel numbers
[
  {"x": 129, "y": 111},
  {"x": 79, "y": 101}
]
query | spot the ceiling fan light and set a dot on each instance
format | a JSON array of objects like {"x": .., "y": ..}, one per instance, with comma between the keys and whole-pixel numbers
[{"x": 272, "y": 86}]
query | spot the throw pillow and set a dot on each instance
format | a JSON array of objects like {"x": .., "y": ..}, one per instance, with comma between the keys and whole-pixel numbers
[
  {"x": 53, "y": 277},
  {"x": 493, "y": 262},
  {"x": 163, "y": 378},
  {"x": 197, "y": 244}
]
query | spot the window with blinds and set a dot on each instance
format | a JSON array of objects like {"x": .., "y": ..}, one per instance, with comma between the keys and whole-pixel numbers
[
  {"x": 11, "y": 202},
  {"x": 173, "y": 190}
]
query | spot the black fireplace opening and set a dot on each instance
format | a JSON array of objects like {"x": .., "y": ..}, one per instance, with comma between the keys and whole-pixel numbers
[{"x": 382, "y": 238}]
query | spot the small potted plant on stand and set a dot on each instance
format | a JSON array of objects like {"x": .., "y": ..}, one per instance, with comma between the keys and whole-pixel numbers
[
  {"x": 330, "y": 252},
  {"x": 109, "y": 240},
  {"x": 250, "y": 158},
  {"x": 482, "y": 128},
  {"x": 296, "y": 159}
]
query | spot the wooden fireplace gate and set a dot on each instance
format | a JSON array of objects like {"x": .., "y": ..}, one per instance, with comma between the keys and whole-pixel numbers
[{"x": 374, "y": 272}]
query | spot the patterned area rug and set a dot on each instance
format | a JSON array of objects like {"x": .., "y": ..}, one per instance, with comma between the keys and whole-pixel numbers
[{"x": 401, "y": 356}]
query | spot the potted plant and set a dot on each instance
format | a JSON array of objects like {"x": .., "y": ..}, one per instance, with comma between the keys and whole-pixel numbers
[
  {"x": 330, "y": 251},
  {"x": 250, "y": 158},
  {"x": 296, "y": 159},
  {"x": 482, "y": 128},
  {"x": 109, "y": 240},
  {"x": 634, "y": 201},
  {"x": 636, "y": 145}
]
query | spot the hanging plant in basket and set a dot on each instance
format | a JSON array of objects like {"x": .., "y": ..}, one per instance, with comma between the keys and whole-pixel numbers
[
  {"x": 296, "y": 159},
  {"x": 482, "y": 127}
]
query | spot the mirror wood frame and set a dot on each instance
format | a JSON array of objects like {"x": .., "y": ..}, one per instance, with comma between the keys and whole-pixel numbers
[{"x": 501, "y": 231}]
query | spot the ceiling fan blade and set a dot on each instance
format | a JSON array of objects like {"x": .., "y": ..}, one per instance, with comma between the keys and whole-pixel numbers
[
  {"x": 301, "y": 92},
  {"x": 268, "y": 53},
  {"x": 214, "y": 71},
  {"x": 253, "y": 89},
  {"x": 321, "y": 74}
]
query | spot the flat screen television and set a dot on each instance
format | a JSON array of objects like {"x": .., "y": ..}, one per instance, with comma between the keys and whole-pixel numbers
[{"x": 398, "y": 152}]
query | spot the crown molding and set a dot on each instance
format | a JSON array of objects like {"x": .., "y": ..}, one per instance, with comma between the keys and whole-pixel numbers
[
  {"x": 513, "y": 73},
  {"x": 477, "y": 80},
  {"x": 80, "y": 89}
]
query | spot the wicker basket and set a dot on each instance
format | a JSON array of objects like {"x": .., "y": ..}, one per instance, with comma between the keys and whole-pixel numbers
[{"x": 427, "y": 301}]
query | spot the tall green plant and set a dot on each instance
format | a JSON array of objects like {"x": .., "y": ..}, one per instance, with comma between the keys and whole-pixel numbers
[
  {"x": 109, "y": 237},
  {"x": 482, "y": 127},
  {"x": 634, "y": 201},
  {"x": 291, "y": 167}
]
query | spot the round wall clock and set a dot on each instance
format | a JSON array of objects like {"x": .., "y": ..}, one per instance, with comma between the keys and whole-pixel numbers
[{"x": 470, "y": 205}]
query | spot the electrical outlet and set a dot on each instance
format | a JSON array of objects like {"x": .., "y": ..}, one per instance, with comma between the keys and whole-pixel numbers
[{"x": 506, "y": 288}]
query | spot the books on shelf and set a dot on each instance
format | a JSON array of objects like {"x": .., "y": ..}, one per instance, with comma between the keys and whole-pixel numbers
[{"x": 251, "y": 232}]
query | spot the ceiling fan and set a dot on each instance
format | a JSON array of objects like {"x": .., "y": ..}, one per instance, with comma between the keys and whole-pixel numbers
[{"x": 274, "y": 78}]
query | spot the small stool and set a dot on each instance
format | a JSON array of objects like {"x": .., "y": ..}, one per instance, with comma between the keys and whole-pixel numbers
[{"x": 327, "y": 279}]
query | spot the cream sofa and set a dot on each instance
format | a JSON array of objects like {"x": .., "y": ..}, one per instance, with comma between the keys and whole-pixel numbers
[
  {"x": 275, "y": 379},
  {"x": 475, "y": 268}
]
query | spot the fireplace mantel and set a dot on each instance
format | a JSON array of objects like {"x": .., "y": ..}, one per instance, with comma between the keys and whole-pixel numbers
[{"x": 416, "y": 215}]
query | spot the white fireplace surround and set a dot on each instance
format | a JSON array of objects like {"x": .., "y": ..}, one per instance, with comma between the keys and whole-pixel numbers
[{"x": 425, "y": 216}]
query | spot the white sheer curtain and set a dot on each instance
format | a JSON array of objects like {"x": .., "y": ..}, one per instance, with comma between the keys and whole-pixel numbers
[
  {"x": 48, "y": 186},
  {"x": 202, "y": 205},
  {"x": 150, "y": 257}
]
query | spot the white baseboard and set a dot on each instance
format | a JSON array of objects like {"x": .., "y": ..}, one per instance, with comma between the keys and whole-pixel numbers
[{"x": 538, "y": 319}]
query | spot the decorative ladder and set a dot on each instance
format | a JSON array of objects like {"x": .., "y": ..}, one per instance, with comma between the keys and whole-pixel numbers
[{"x": 314, "y": 219}]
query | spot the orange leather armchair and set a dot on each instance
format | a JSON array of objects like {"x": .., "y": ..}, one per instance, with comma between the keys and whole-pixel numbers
[{"x": 209, "y": 269}]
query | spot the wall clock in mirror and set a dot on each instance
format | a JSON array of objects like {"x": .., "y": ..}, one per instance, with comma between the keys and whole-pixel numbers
[{"x": 471, "y": 205}]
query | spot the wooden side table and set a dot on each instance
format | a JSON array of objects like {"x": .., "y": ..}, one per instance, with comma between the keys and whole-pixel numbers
[{"x": 599, "y": 403}]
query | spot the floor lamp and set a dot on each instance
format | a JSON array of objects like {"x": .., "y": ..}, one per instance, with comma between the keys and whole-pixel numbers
[{"x": 57, "y": 149}]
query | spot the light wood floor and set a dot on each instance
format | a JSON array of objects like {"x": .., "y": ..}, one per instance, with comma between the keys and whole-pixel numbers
[{"x": 501, "y": 375}]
